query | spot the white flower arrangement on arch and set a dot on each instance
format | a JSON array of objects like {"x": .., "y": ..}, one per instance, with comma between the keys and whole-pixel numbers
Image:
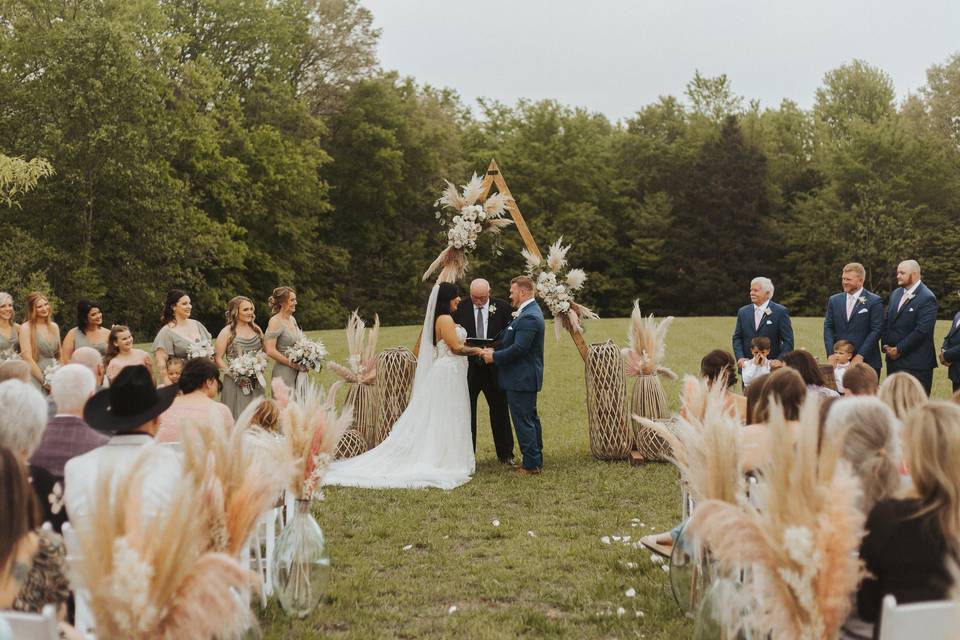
[
  {"x": 556, "y": 286},
  {"x": 465, "y": 218}
]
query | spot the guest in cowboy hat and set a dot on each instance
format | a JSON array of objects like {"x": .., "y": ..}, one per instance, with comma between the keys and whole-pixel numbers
[{"x": 128, "y": 411}]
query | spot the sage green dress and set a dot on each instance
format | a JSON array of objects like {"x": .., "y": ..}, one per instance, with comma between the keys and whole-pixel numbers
[
  {"x": 285, "y": 339},
  {"x": 80, "y": 340},
  {"x": 176, "y": 345},
  {"x": 232, "y": 395},
  {"x": 47, "y": 353},
  {"x": 12, "y": 343}
]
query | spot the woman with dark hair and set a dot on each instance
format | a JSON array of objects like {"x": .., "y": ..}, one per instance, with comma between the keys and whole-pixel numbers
[
  {"x": 121, "y": 352},
  {"x": 88, "y": 332},
  {"x": 430, "y": 444},
  {"x": 179, "y": 335},
  {"x": 39, "y": 338},
  {"x": 720, "y": 366},
  {"x": 199, "y": 385},
  {"x": 806, "y": 365},
  {"x": 282, "y": 333},
  {"x": 785, "y": 388},
  {"x": 240, "y": 336}
]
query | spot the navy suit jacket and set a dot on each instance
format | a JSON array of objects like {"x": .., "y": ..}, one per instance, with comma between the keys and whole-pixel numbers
[
  {"x": 775, "y": 326},
  {"x": 951, "y": 350},
  {"x": 910, "y": 330},
  {"x": 520, "y": 357},
  {"x": 863, "y": 329}
]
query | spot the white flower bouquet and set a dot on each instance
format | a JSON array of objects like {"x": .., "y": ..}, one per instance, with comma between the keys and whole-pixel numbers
[
  {"x": 9, "y": 354},
  {"x": 49, "y": 371},
  {"x": 247, "y": 370},
  {"x": 200, "y": 349},
  {"x": 307, "y": 354},
  {"x": 556, "y": 287},
  {"x": 465, "y": 218}
]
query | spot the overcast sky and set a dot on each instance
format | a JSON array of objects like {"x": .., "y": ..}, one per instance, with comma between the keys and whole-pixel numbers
[{"x": 615, "y": 56}]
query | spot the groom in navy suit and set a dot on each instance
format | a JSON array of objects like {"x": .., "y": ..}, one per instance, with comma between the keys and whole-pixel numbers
[
  {"x": 763, "y": 317},
  {"x": 519, "y": 363},
  {"x": 908, "y": 326},
  {"x": 855, "y": 315}
]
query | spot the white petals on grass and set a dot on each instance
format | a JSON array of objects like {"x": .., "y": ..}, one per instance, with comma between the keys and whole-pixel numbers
[
  {"x": 531, "y": 534},
  {"x": 657, "y": 559},
  {"x": 605, "y": 539},
  {"x": 495, "y": 523},
  {"x": 621, "y": 611},
  {"x": 452, "y": 610},
  {"x": 408, "y": 547},
  {"x": 665, "y": 567},
  {"x": 630, "y": 593}
]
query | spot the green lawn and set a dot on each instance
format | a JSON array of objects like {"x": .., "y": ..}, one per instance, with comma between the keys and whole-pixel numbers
[{"x": 544, "y": 572}]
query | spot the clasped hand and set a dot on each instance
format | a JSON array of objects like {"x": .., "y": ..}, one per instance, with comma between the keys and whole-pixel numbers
[{"x": 487, "y": 355}]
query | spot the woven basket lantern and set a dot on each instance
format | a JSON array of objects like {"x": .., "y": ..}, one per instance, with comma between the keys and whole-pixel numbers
[
  {"x": 610, "y": 436},
  {"x": 363, "y": 399},
  {"x": 351, "y": 444},
  {"x": 395, "y": 370},
  {"x": 649, "y": 401}
]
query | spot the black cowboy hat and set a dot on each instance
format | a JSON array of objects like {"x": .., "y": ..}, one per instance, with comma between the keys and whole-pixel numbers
[{"x": 131, "y": 400}]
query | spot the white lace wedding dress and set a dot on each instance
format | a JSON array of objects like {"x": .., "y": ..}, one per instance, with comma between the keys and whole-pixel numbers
[{"x": 430, "y": 444}]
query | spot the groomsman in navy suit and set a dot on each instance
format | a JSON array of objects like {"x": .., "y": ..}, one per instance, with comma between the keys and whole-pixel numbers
[
  {"x": 855, "y": 315},
  {"x": 950, "y": 352},
  {"x": 762, "y": 318},
  {"x": 908, "y": 326}
]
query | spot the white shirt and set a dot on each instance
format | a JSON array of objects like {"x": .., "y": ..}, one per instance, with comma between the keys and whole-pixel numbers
[
  {"x": 160, "y": 466},
  {"x": 906, "y": 293},
  {"x": 485, "y": 314}
]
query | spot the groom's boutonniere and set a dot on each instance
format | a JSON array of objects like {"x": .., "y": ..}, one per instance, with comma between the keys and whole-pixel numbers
[
  {"x": 767, "y": 311},
  {"x": 515, "y": 314},
  {"x": 493, "y": 309},
  {"x": 862, "y": 299}
]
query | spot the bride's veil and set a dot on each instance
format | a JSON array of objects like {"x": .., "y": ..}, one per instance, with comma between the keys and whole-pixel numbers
[{"x": 425, "y": 353}]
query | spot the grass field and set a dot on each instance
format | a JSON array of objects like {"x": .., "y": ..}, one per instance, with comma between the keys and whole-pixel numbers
[{"x": 543, "y": 572}]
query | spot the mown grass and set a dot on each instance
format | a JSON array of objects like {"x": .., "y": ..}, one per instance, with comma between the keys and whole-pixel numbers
[{"x": 544, "y": 571}]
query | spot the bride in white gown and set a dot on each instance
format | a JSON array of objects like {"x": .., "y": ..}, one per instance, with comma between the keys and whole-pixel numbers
[{"x": 430, "y": 444}]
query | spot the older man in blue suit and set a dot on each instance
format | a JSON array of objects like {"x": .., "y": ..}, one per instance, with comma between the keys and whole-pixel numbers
[
  {"x": 763, "y": 317},
  {"x": 519, "y": 363},
  {"x": 908, "y": 326},
  {"x": 855, "y": 315}
]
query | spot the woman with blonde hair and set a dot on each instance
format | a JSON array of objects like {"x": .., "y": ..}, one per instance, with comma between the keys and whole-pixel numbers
[
  {"x": 39, "y": 338},
  {"x": 282, "y": 333},
  {"x": 902, "y": 393},
  {"x": 240, "y": 336},
  {"x": 121, "y": 352},
  {"x": 910, "y": 539},
  {"x": 9, "y": 340}
]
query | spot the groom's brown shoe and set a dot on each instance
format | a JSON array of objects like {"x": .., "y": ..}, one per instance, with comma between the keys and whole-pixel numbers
[{"x": 523, "y": 471}]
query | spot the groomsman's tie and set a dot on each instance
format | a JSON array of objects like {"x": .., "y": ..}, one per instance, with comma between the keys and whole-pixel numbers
[
  {"x": 851, "y": 303},
  {"x": 757, "y": 316},
  {"x": 480, "y": 331}
]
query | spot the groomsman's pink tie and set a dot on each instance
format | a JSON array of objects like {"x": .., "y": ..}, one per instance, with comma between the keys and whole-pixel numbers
[
  {"x": 851, "y": 303},
  {"x": 757, "y": 316}
]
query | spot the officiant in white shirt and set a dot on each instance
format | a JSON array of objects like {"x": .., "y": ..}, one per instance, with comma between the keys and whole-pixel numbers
[
  {"x": 129, "y": 412},
  {"x": 485, "y": 318}
]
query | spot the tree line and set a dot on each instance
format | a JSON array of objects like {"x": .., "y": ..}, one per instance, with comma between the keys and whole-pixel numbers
[{"x": 228, "y": 146}]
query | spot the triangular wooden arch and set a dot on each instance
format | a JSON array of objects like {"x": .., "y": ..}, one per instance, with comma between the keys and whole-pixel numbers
[{"x": 495, "y": 178}]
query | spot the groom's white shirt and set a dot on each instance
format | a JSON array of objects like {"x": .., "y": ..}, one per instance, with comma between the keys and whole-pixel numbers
[{"x": 523, "y": 304}]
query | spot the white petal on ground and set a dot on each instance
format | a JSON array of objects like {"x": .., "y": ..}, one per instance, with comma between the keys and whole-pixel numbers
[
  {"x": 408, "y": 547},
  {"x": 630, "y": 593}
]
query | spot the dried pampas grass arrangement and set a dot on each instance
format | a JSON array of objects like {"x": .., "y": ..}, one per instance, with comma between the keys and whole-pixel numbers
[
  {"x": 154, "y": 577},
  {"x": 801, "y": 549},
  {"x": 648, "y": 345},
  {"x": 465, "y": 218},
  {"x": 228, "y": 470},
  {"x": 361, "y": 373},
  {"x": 557, "y": 288}
]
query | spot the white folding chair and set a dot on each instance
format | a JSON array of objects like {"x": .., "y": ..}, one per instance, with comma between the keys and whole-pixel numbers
[
  {"x": 83, "y": 617},
  {"x": 936, "y": 620},
  {"x": 33, "y": 626}
]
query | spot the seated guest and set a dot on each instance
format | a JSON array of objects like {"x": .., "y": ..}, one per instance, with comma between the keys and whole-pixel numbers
[
  {"x": 753, "y": 395},
  {"x": 903, "y": 393},
  {"x": 32, "y": 560},
  {"x": 860, "y": 380},
  {"x": 720, "y": 365},
  {"x": 91, "y": 359},
  {"x": 758, "y": 364},
  {"x": 787, "y": 389},
  {"x": 908, "y": 540},
  {"x": 67, "y": 435},
  {"x": 806, "y": 365},
  {"x": 842, "y": 355},
  {"x": 128, "y": 411},
  {"x": 14, "y": 370},
  {"x": 23, "y": 416},
  {"x": 266, "y": 416},
  {"x": 199, "y": 385}
]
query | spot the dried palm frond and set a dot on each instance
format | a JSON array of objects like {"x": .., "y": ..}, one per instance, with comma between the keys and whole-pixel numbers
[
  {"x": 452, "y": 263},
  {"x": 496, "y": 205},
  {"x": 154, "y": 577},
  {"x": 362, "y": 352},
  {"x": 532, "y": 261},
  {"x": 802, "y": 546},
  {"x": 705, "y": 443},
  {"x": 575, "y": 279},
  {"x": 473, "y": 190},
  {"x": 648, "y": 345},
  {"x": 557, "y": 256}
]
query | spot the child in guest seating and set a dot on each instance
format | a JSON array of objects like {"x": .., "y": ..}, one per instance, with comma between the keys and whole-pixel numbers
[
  {"x": 758, "y": 365},
  {"x": 842, "y": 355}
]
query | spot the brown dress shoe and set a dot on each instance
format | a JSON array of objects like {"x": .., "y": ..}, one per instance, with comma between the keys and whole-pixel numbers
[{"x": 523, "y": 471}]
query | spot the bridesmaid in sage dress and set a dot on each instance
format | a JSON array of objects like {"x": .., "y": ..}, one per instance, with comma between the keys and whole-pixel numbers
[
  {"x": 89, "y": 331},
  {"x": 9, "y": 338},
  {"x": 39, "y": 338},
  {"x": 282, "y": 333},
  {"x": 178, "y": 332},
  {"x": 241, "y": 335}
]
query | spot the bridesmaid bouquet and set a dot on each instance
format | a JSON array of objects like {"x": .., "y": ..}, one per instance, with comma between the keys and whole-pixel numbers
[
  {"x": 49, "y": 371},
  {"x": 9, "y": 354},
  {"x": 200, "y": 349},
  {"x": 246, "y": 368},
  {"x": 307, "y": 354}
]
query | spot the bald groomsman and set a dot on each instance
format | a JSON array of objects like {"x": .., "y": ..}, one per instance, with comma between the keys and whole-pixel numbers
[
  {"x": 485, "y": 317},
  {"x": 855, "y": 315},
  {"x": 908, "y": 326},
  {"x": 763, "y": 317}
]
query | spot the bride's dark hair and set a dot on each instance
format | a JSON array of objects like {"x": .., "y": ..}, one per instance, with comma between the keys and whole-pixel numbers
[{"x": 447, "y": 292}]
